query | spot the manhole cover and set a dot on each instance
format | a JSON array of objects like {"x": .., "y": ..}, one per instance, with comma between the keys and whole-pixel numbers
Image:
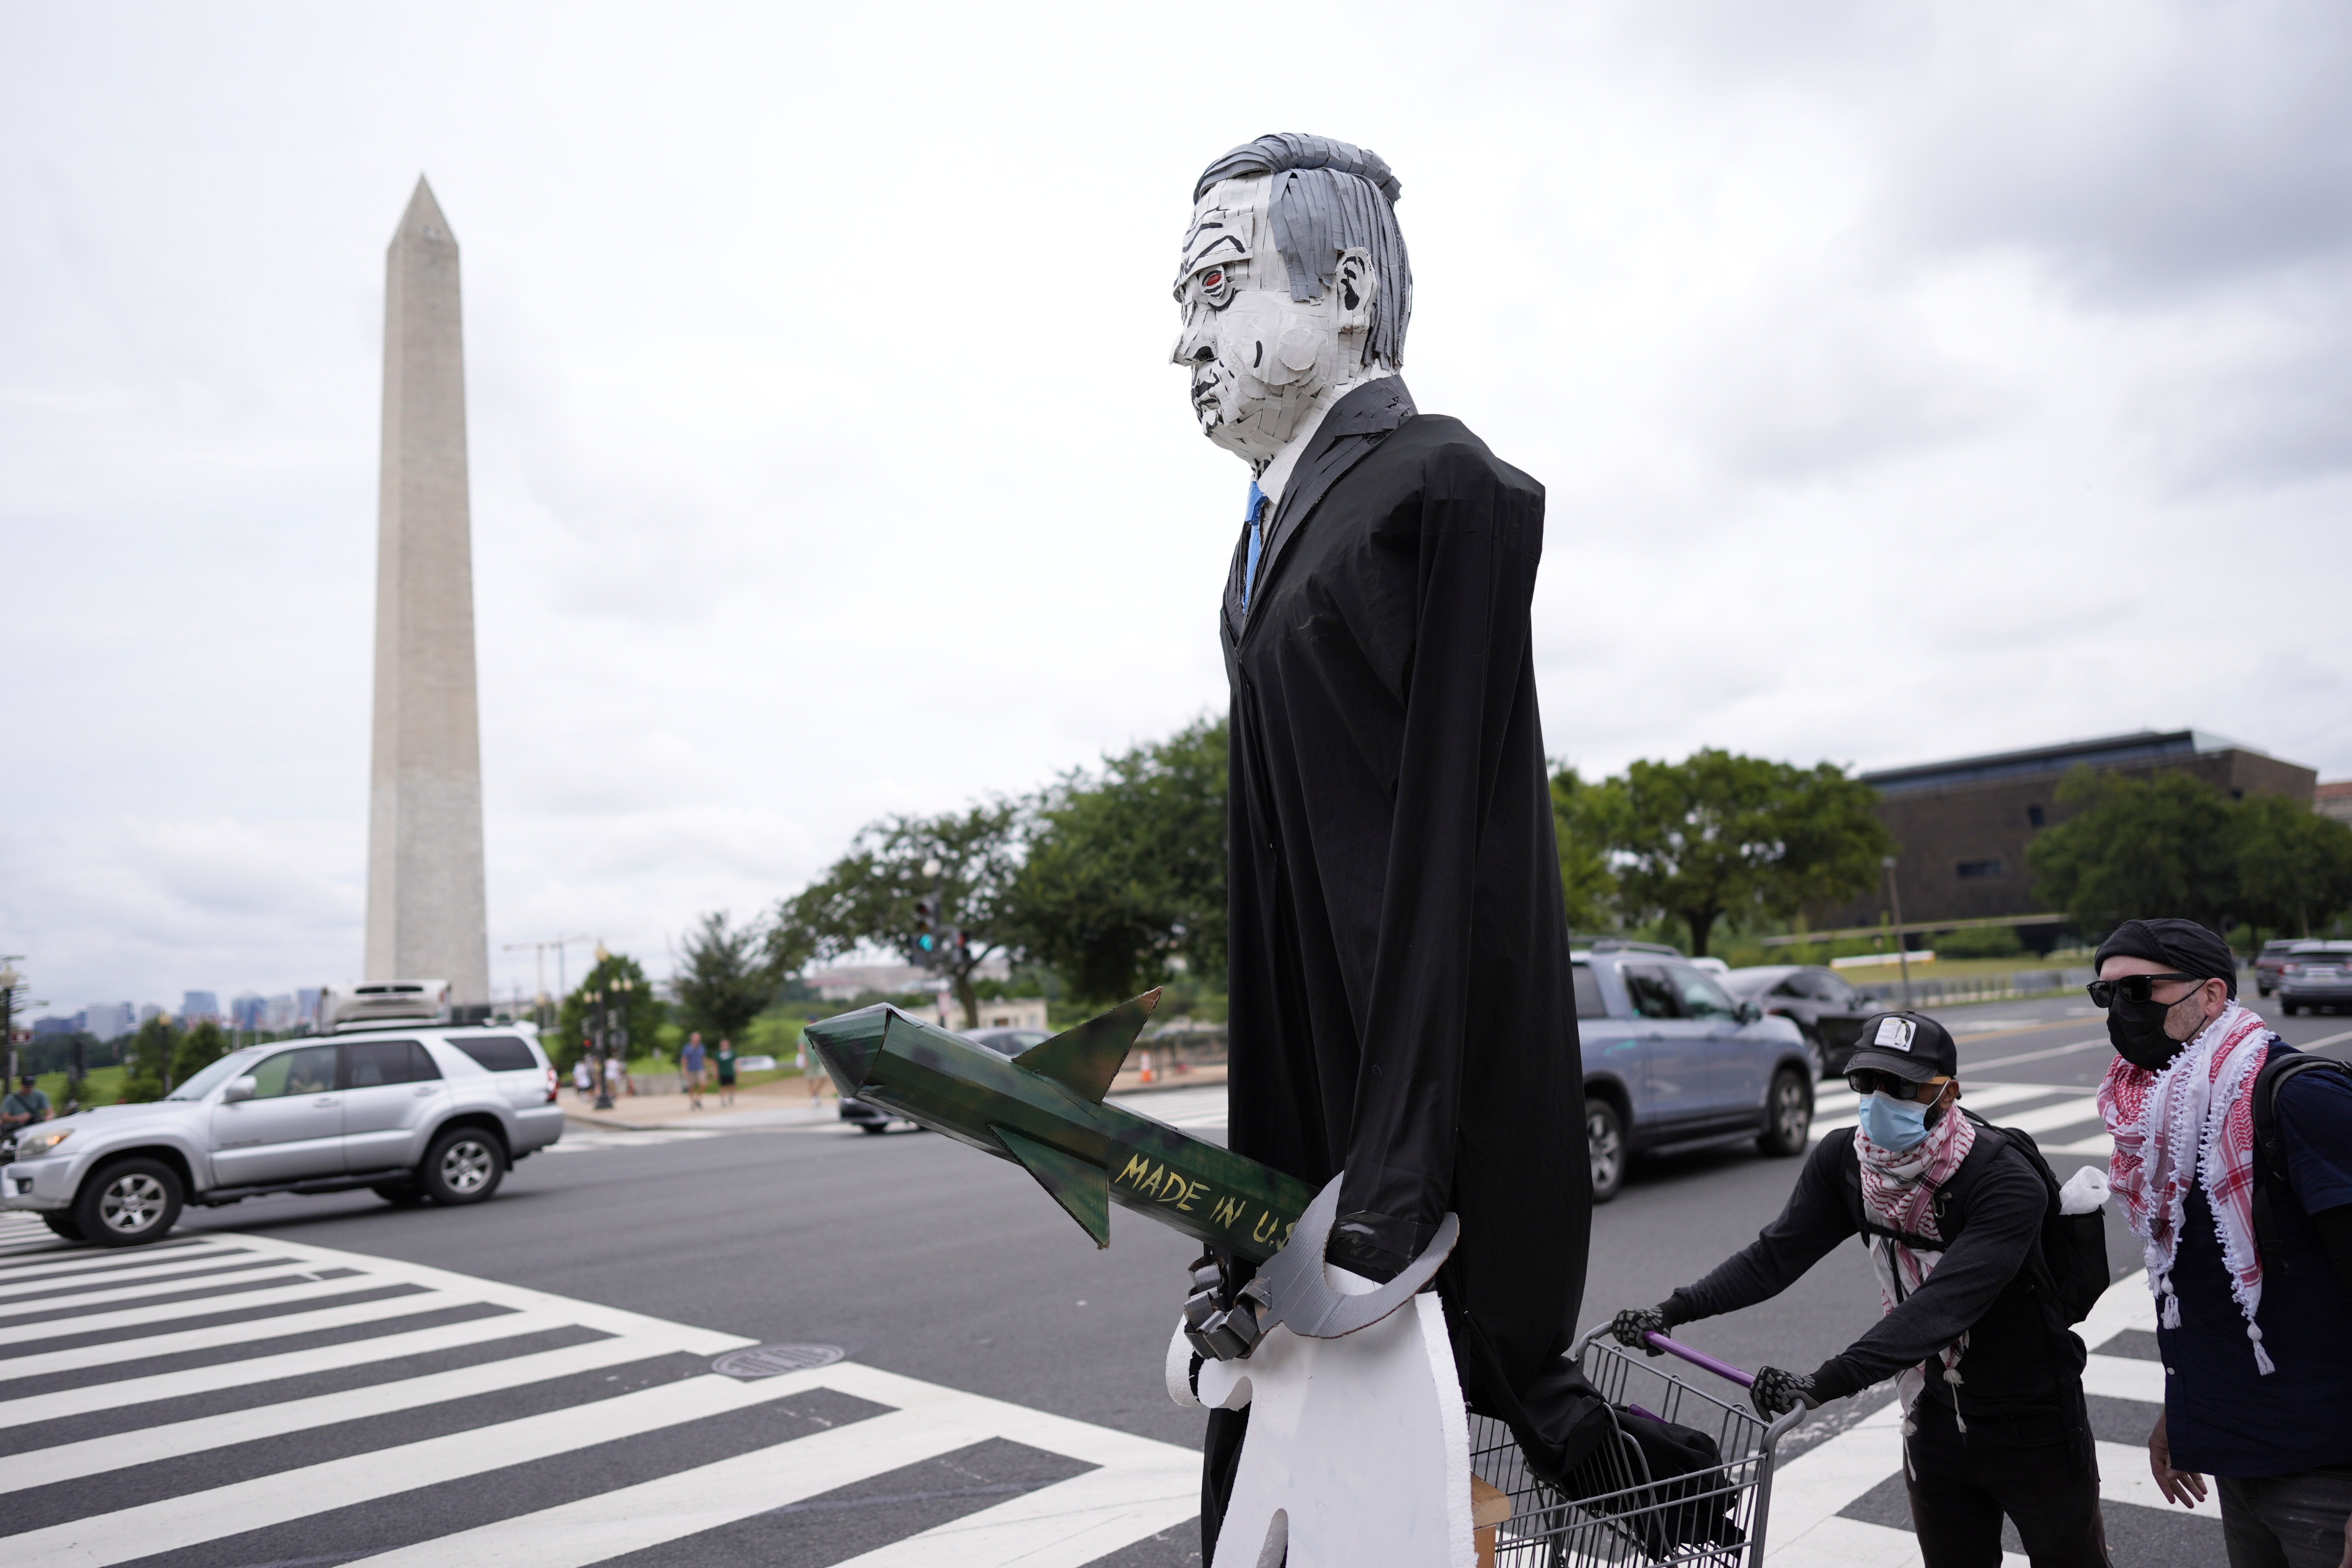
[{"x": 774, "y": 1361}]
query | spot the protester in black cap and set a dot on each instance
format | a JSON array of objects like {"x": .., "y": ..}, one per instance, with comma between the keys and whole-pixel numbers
[
  {"x": 1991, "y": 1387},
  {"x": 2250, "y": 1259}
]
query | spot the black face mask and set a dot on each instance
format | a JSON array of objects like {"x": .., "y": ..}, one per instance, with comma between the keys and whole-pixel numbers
[{"x": 2137, "y": 1030}]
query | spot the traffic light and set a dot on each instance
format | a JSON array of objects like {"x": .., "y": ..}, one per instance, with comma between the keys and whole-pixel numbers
[{"x": 927, "y": 939}]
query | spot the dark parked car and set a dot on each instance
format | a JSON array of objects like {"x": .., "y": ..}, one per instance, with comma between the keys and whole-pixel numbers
[
  {"x": 1671, "y": 1058},
  {"x": 2316, "y": 975},
  {"x": 1818, "y": 1001},
  {"x": 1003, "y": 1042}
]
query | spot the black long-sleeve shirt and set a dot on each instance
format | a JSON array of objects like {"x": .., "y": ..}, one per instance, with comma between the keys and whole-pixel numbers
[{"x": 1977, "y": 1285}]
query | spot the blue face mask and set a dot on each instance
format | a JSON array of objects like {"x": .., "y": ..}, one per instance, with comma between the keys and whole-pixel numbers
[{"x": 1894, "y": 1124}]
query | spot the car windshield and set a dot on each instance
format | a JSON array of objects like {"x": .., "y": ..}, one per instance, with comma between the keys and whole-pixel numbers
[{"x": 212, "y": 1077}]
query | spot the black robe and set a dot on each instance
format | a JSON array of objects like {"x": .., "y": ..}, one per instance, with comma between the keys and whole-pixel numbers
[{"x": 1403, "y": 1007}]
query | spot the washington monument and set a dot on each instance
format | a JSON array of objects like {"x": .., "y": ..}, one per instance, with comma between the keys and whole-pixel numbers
[{"x": 425, "y": 909}]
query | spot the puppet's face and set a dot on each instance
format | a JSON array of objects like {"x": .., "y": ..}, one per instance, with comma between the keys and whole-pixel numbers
[{"x": 1260, "y": 360}]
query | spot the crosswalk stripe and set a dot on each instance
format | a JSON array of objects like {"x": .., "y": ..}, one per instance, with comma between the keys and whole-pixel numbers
[
  {"x": 2049, "y": 1118},
  {"x": 216, "y": 1260},
  {"x": 109, "y": 1353},
  {"x": 143, "y": 1317},
  {"x": 64, "y": 1259},
  {"x": 174, "y": 1523},
  {"x": 214, "y": 1288},
  {"x": 39, "y": 1407},
  {"x": 1979, "y": 1098},
  {"x": 2124, "y": 1378},
  {"x": 1139, "y": 1488},
  {"x": 122, "y": 1450},
  {"x": 1131, "y": 1487}
]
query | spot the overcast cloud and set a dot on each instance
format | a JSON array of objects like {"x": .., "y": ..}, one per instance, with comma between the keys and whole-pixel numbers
[{"x": 1908, "y": 381}]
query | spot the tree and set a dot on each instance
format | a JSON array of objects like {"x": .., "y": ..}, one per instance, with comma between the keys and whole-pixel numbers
[
  {"x": 2138, "y": 847},
  {"x": 641, "y": 1010},
  {"x": 1582, "y": 816},
  {"x": 2295, "y": 866},
  {"x": 966, "y": 860},
  {"x": 150, "y": 1074},
  {"x": 1126, "y": 871},
  {"x": 198, "y": 1049},
  {"x": 1720, "y": 835},
  {"x": 726, "y": 980}
]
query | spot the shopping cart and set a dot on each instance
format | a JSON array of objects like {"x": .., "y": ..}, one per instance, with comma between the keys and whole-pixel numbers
[{"x": 1615, "y": 1509}]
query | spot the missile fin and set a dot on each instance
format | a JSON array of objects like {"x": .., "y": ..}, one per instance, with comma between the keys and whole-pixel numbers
[
  {"x": 1081, "y": 1189},
  {"x": 1085, "y": 1060}
]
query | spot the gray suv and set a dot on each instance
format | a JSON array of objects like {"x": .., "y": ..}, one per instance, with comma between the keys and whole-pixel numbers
[
  {"x": 414, "y": 1112},
  {"x": 1671, "y": 1058}
]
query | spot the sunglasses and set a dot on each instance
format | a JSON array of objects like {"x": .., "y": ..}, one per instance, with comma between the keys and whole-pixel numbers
[
  {"x": 1887, "y": 1083},
  {"x": 2133, "y": 987}
]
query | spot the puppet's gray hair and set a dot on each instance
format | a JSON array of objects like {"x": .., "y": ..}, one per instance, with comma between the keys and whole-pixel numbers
[{"x": 1325, "y": 197}]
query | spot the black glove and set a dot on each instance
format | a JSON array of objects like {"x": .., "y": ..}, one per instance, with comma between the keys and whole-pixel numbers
[
  {"x": 1776, "y": 1392},
  {"x": 1221, "y": 1318},
  {"x": 1631, "y": 1324}
]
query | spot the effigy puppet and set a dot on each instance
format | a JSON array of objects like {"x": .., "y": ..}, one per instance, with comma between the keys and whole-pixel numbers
[{"x": 1403, "y": 1011}]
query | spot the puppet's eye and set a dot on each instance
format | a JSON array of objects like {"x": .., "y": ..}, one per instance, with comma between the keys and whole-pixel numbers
[{"x": 1211, "y": 280}]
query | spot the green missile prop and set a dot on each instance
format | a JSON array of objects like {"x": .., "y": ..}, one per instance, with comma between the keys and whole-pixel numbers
[{"x": 1043, "y": 1111}]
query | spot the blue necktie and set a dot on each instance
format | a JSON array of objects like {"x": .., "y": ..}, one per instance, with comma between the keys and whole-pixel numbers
[{"x": 1257, "y": 541}]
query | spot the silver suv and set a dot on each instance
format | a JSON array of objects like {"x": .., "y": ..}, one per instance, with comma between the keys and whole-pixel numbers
[{"x": 414, "y": 1112}]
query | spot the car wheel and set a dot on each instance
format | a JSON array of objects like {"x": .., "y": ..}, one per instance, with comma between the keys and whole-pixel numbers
[
  {"x": 464, "y": 1166},
  {"x": 2261, "y": 990},
  {"x": 873, "y": 1127},
  {"x": 63, "y": 1224},
  {"x": 400, "y": 1194},
  {"x": 127, "y": 1203},
  {"x": 2289, "y": 1008},
  {"x": 1787, "y": 1115},
  {"x": 1815, "y": 1048},
  {"x": 1605, "y": 1139}
]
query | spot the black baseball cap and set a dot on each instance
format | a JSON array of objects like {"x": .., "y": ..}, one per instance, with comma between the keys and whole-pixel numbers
[{"x": 1909, "y": 1044}]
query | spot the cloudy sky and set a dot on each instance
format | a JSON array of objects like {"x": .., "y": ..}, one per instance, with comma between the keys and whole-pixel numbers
[{"x": 1908, "y": 381}]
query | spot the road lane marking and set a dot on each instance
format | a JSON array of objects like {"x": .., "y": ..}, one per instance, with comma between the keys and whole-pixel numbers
[
  {"x": 227, "y": 1290},
  {"x": 1136, "y": 1488},
  {"x": 109, "y": 1353},
  {"x": 179, "y": 1265},
  {"x": 1976, "y": 1097},
  {"x": 2124, "y": 1378},
  {"x": 1139, "y": 1488},
  {"x": 2100, "y": 1044},
  {"x": 96, "y": 1396},
  {"x": 178, "y": 1311},
  {"x": 69, "y": 1461},
  {"x": 1811, "y": 1493}
]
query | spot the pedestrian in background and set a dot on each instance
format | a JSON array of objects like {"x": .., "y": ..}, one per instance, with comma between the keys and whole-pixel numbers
[
  {"x": 691, "y": 1060},
  {"x": 25, "y": 1107},
  {"x": 810, "y": 1074},
  {"x": 615, "y": 1077},
  {"x": 1989, "y": 1376},
  {"x": 2233, "y": 1166},
  {"x": 726, "y": 1063},
  {"x": 583, "y": 1079}
]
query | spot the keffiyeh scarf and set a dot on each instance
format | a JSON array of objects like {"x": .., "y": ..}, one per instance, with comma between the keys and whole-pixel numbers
[
  {"x": 2193, "y": 1122},
  {"x": 1898, "y": 1191}
]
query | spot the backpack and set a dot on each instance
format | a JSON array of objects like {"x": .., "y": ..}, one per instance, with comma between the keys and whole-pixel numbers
[
  {"x": 2270, "y": 1144},
  {"x": 2068, "y": 1271}
]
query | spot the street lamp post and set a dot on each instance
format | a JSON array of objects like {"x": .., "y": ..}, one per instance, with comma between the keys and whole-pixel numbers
[{"x": 1902, "y": 947}]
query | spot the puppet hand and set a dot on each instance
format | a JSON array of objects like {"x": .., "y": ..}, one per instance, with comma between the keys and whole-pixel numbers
[
  {"x": 1220, "y": 1321},
  {"x": 1776, "y": 1392},
  {"x": 1631, "y": 1324}
]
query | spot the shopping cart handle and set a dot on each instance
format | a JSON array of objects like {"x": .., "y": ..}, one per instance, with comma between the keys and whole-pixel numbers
[{"x": 1701, "y": 1358}]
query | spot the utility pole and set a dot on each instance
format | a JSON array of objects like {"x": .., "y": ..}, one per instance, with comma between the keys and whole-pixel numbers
[
  {"x": 1902, "y": 945},
  {"x": 10, "y": 981},
  {"x": 538, "y": 951}
]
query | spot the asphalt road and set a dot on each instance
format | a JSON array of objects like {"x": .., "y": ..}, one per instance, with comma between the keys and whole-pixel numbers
[{"x": 919, "y": 1258}]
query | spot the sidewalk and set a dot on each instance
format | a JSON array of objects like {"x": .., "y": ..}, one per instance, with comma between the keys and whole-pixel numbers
[{"x": 784, "y": 1102}]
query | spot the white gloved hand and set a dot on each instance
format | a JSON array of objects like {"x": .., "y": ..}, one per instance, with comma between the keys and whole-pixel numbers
[{"x": 2085, "y": 1191}]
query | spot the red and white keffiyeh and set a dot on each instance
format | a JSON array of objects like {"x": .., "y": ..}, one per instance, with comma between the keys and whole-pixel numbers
[
  {"x": 1898, "y": 1191},
  {"x": 2193, "y": 1122}
]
